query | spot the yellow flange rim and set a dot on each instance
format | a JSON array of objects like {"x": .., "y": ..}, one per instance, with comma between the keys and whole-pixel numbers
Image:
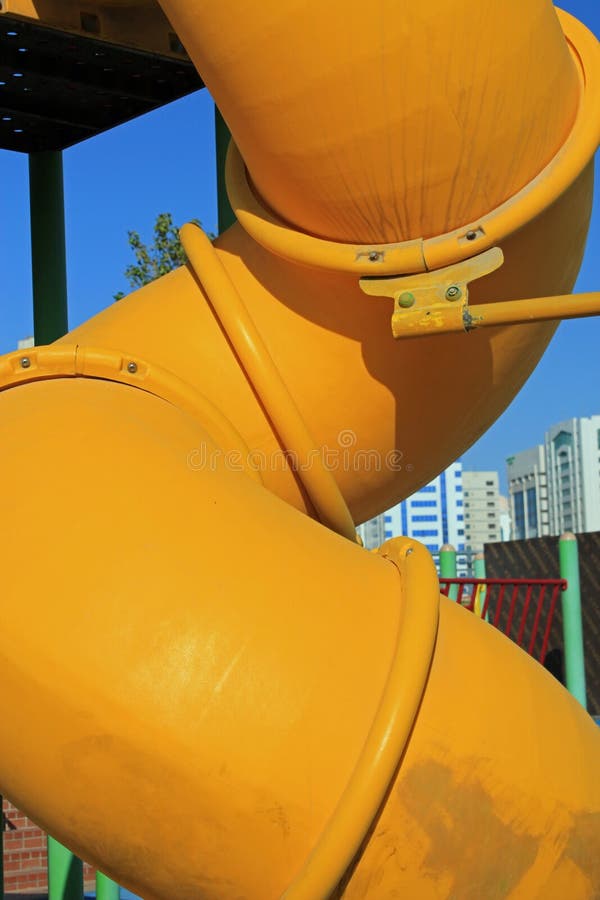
[
  {"x": 71, "y": 360},
  {"x": 422, "y": 255},
  {"x": 377, "y": 764}
]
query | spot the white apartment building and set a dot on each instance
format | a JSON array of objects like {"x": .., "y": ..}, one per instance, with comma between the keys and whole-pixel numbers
[
  {"x": 434, "y": 516},
  {"x": 482, "y": 512}
]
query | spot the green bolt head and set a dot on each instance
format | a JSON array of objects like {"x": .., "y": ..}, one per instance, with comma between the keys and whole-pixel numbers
[
  {"x": 453, "y": 292},
  {"x": 406, "y": 300}
]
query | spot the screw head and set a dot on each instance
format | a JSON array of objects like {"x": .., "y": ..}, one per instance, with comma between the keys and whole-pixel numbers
[
  {"x": 132, "y": 367},
  {"x": 25, "y": 362},
  {"x": 374, "y": 256},
  {"x": 406, "y": 300},
  {"x": 453, "y": 292}
]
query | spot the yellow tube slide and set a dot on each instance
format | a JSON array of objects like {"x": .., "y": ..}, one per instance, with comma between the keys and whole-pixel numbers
[
  {"x": 207, "y": 693},
  {"x": 362, "y": 394},
  {"x": 197, "y": 676}
]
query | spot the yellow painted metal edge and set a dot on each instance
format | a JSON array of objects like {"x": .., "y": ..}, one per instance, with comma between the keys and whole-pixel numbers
[
  {"x": 444, "y": 318},
  {"x": 437, "y": 302},
  {"x": 538, "y": 309},
  {"x": 72, "y": 360},
  {"x": 420, "y": 255},
  {"x": 389, "y": 733}
]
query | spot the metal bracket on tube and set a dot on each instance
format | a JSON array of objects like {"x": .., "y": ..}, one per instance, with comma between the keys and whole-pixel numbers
[
  {"x": 437, "y": 302},
  {"x": 433, "y": 302}
]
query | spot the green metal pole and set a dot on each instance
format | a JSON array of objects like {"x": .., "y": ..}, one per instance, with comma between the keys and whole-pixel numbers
[
  {"x": 105, "y": 888},
  {"x": 448, "y": 567},
  {"x": 48, "y": 256},
  {"x": 222, "y": 137},
  {"x": 568, "y": 556},
  {"x": 49, "y": 276},
  {"x": 479, "y": 572},
  {"x": 65, "y": 873}
]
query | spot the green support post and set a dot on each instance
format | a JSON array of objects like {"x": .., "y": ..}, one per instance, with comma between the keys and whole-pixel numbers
[
  {"x": 49, "y": 277},
  {"x": 222, "y": 137},
  {"x": 568, "y": 556},
  {"x": 448, "y": 567},
  {"x": 65, "y": 873},
  {"x": 105, "y": 888},
  {"x": 48, "y": 256},
  {"x": 479, "y": 572}
]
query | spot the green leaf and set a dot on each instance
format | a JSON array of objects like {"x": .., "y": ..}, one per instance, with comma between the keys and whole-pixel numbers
[{"x": 164, "y": 254}]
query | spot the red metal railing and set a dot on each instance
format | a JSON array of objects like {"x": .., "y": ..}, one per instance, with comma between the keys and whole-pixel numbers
[{"x": 522, "y": 608}]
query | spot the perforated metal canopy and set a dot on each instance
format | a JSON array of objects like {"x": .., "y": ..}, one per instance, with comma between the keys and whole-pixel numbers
[{"x": 57, "y": 88}]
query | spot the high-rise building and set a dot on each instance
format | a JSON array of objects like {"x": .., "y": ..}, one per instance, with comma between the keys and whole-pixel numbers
[
  {"x": 572, "y": 451},
  {"x": 528, "y": 493},
  {"x": 481, "y": 509},
  {"x": 555, "y": 487},
  {"x": 434, "y": 515}
]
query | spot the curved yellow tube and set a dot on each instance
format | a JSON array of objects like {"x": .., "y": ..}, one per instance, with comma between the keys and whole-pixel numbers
[
  {"x": 477, "y": 232},
  {"x": 222, "y": 686},
  {"x": 360, "y": 128},
  {"x": 361, "y": 395},
  {"x": 281, "y": 714}
]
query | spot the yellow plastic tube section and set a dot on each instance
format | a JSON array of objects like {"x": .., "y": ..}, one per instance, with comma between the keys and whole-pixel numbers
[
  {"x": 376, "y": 125},
  {"x": 209, "y": 695},
  {"x": 205, "y": 692},
  {"x": 362, "y": 395}
]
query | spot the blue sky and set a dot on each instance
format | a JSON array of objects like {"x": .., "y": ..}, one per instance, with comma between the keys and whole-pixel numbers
[{"x": 165, "y": 162}]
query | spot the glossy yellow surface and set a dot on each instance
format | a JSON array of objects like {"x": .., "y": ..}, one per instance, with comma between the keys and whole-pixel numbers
[
  {"x": 361, "y": 394},
  {"x": 474, "y": 230},
  {"x": 190, "y": 655},
  {"x": 377, "y": 127},
  {"x": 205, "y": 692}
]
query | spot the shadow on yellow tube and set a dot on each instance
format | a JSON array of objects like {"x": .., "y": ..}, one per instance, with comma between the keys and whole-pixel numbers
[
  {"x": 361, "y": 394},
  {"x": 206, "y": 693}
]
